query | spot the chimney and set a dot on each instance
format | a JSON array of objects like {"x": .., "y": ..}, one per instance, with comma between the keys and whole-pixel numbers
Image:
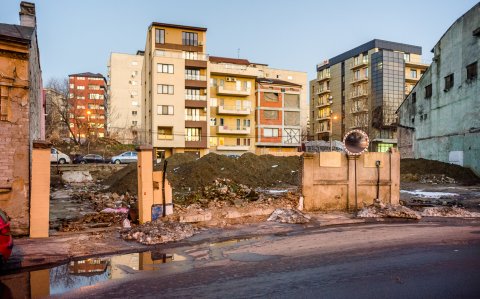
[{"x": 27, "y": 14}]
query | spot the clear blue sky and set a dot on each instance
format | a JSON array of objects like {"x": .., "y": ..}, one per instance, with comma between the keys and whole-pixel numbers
[{"x": 78, "y": 36}]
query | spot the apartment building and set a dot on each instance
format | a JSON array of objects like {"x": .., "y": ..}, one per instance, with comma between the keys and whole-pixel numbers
[
  {"x": 125, "y": 96},
  {"x": 232, "y": 102},
  {"x": 87, "y": 101},
  {"x": 361, "y": 89},
  {"x": 278, "y": 114},
  {"x": 175, "y": 93}
]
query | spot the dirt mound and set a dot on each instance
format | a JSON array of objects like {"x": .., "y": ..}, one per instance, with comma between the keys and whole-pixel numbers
[
  {"x": 187, "y": 173},
  {"x": 416, "y": 169}
]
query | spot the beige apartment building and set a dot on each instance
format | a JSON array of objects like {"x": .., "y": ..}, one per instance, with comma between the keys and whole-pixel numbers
[
  {"x": 361, "y": 89},
  {"x": 125, "y": 90},
  {"x": 175, "y": 90}
]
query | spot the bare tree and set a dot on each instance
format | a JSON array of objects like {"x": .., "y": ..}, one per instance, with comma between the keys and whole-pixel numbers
[{"x": 69, "y": 109}]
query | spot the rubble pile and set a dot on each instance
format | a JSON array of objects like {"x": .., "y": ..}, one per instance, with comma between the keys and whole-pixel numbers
[
  {"x": 158, "y": 232},
  {"x": 102, "y": 201},
  {"x": 289, "y": 216},
  {"x": 436, "y": 179},
  {"x": 448, "y": 212},
  {"x": 379, "y": 209},
  {"x": 414, "y": 170}
]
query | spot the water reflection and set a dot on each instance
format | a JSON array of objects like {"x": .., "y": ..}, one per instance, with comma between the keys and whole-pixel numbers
[{"x": 81, "y": 273}]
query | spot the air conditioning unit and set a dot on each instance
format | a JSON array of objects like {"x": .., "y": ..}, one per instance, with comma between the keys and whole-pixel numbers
[{"x": 231, "y": 79}]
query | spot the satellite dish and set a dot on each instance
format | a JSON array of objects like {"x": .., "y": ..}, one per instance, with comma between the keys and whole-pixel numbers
[{"x": 356, "y": 142}]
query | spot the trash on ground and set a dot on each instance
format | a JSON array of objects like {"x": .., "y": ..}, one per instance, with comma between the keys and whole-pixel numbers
[{"x": 158, "y": 232}]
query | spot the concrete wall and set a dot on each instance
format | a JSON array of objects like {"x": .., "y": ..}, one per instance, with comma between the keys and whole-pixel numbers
[
  {"x": 447, "y": 125},
  {"x": 328, "y": 182}
]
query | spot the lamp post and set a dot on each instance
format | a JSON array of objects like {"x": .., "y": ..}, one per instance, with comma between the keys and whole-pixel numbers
[{"x": 330, "y": 133}]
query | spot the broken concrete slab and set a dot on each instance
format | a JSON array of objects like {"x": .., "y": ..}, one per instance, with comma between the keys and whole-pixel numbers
[
  {"x": 289, "y": 216},
  {"x": 448, "y": 212},
  {"x": 76, "y": 177},
  {"x": 378, "y": 210},
  {"x": 158, "y": 232}
]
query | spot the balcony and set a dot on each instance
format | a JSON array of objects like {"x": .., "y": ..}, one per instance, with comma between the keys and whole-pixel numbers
[
  {"x": 359, "y": 80},
  {"x": 233, "y": 92},
  {"x": 195, "y": 97},
  {"x": 323, "y": 78},
  {"x": 411, "y": 79},
  {"x": 233, "y": 130},
  {"x": 233, "y": 110},
  {"x": 195, "y": 77},
  {"x": 164, "y": 137},
  {"x": 195, "y": 117},
  {"x": 357, "y": 110},
  {"x": 417, "y": 62},
  {"x": 233, "y": 148},
  {"x": 320, "y": 105},
  {"x": 322, "y": 118},
  {"x": 322, "y": 131},
  {"x": 181, "y": 55},
  {"x": 358, "y": 94},
  {"x": 359, "y": 64},
  {"x": 323, "y": 91}
]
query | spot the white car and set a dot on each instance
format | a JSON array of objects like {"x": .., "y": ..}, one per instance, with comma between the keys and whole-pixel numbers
[
  {"x": 57, "y": 156},
  {"x": 126, "y": 157}
]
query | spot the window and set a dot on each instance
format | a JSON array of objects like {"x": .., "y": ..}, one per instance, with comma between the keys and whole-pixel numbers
[
  {"x": 472, "y": 71},
  {"x": 72, "y": 85},
  {"x": 80, "y": 97},
  {"x": 189, "y": 39},
  {"x": 406, "y": 56},
  {"x": 190, "y": 55},
  {"x": 413, "y": 73},
  {"x": 192, "y": 74},
  {"x": 213, "y": 141},
  {"x": 271, "y": 97},
  {"x": 165, "y": 110},
  {"x": 93, "y": 87},
  {"x": 213, "y": 102},
  {"x": 164, "y": 133},
  {"x": 222, "y": 122},
  {"x": 246, "y": 123},
  {"x": 213, "y": 121},
  {"x": 165, "y": 68},
  {"x": 270, "y": 132},
  {"x": 164, "y": 89},
  {"x": 428, "y": 91},
  {"x": 192, "y": 114},
  {"x": 94, "y": 96},
  {"x": 134, "y": 112},
  {"x": 270, "y": 114},
  {"x": 81, "y": 87},
  {"x": 134, "y": 122},
  {"x": 159, "y": 36},
  {"x": 192, "y": 134},
  {"x": 134, "y": 103},
  {"x": 448, "y": 82},
  {"x": 414, "y": 98}
]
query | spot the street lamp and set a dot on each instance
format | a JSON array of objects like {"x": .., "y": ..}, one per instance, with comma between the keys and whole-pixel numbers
[{"x": 330, "y": 133}]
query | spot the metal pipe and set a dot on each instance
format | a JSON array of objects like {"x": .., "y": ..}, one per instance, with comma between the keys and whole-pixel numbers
[
  {"x": 164, "y": 212},
  {"x": 377, "y": 164}
]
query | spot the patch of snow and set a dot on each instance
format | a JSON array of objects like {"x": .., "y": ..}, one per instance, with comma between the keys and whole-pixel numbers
[
  {"x": 427, "y": 194},
  {"x": 276, "y": 165}
]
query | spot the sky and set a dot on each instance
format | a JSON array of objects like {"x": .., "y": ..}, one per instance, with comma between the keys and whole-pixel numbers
[{"x": 79, "y": 36}]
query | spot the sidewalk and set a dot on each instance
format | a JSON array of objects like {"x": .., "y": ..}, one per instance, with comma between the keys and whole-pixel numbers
[{"x": 62, "y": 247}]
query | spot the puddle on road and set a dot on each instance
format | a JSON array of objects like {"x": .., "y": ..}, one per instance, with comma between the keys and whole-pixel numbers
[{"x": 76, "y": 274}]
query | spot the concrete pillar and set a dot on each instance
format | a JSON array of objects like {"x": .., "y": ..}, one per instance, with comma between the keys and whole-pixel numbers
[
  {"x": 351, "y": 182},
  {"x": 145, "y": 182},
  {"x": 307, "y": 180},
  {"x": 394, "y": 176},
  {"x": 40, "y": 190}
]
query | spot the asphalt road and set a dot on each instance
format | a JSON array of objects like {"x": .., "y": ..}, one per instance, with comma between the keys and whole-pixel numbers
[{"x": 412, "y": 260}]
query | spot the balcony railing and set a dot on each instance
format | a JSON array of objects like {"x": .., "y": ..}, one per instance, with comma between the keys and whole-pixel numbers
[
  {"x": 322, "y": 104},
  {"x": 164, "y": 137},
  {"x": 358, "y": 93},
  {"x": 233, "y": 130},
  {"x": 181, "y": 55},
  {"x": 322, "y": 130},
  {"x": 359, "y": 64},
  {"x": 417, "y": 61},
  {"x": 221, "y": 90},
  {"x": 323, "y": 77},
  {"x": 322, "y": 91},
  {"x": 233, "y": 110},
  {"x": 196, "y": 117},
  {"x": 233, "y": 147},
  {"x": 320, "y": 118},
  {"x": 195, "y": 97},
  {"x": 195, "y": 77},
  {"x": 359, "y": 79}
]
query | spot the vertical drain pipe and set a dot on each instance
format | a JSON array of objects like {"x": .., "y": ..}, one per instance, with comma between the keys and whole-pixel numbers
[
  {"x": 377, "y": 164},
  {"x": 164, "y": 210}
]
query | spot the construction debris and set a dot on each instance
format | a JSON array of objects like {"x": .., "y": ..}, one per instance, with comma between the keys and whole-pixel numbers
[
  {"x": 379, "y": 209},
  {"x": 76, "y": 177},
  {"x": 289, "y": 216},
  {"x": 448, "y": 212},
  {"x": 436, "y": 179},
  {"x": 158, "y": 232}
]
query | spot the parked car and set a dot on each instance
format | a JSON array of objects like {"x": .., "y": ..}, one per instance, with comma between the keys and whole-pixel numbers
[
  {"x": 126, "y": 157},
  {"x": 90, "y": 158},
  {"x": 6, "y": 240},
  {"x": 57, "y": 156}
]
